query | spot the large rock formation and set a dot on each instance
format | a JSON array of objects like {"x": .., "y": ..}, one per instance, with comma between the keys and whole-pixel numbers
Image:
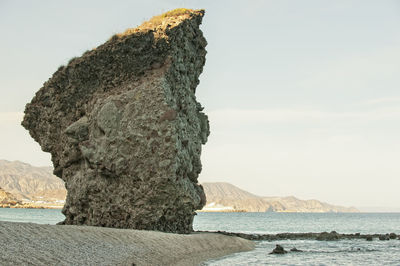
[{"x": 124, "y": 128}]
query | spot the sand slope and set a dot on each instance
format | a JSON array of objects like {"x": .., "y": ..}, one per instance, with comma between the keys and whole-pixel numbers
[{"x": 27, "y": 243}]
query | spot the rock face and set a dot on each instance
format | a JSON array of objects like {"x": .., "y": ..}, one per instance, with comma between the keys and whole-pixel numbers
[{"x": 124, "y": 128}]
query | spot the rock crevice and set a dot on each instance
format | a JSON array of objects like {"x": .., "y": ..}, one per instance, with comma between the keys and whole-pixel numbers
[{"x": 124, "y": 128}]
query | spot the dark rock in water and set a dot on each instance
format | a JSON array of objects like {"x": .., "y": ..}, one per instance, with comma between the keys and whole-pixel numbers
[
  {"x": 384, "y": 237},
  {"x": 278, "y": 250},
  {"x": 392, "y": 236},
  {"x": 124, "y": 128},
  {"x": 369, "y": 238},
  {"x": 325, "y": 236},
  {"x": 296, "y": 250}
]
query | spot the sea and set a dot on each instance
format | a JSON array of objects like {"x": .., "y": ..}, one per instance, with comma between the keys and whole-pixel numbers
[{"x": 341, "y": 252}]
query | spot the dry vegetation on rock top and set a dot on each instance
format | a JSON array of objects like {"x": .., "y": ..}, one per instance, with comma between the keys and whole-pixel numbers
[{"x": 168, "y": 20}]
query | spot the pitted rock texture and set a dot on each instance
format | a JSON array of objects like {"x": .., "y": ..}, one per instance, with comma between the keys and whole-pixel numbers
[{"x": 124, "y": 128}]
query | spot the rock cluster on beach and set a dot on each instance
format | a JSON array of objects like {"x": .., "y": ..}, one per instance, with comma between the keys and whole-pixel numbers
[
  {"x": 323, "y": 236},
  {"x": 124, "y": 128}
]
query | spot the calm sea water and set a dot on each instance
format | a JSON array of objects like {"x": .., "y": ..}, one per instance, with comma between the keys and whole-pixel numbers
[{"x": 343, "y": 252}]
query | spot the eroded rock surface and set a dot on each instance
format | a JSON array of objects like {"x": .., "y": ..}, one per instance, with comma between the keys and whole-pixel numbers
[{"x": 124, "y": 128}]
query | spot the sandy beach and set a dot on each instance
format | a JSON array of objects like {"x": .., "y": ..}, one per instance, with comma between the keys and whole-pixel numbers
[{"x": 27, "y": 243}]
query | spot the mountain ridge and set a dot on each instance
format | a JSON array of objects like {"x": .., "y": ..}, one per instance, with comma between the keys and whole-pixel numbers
[
  {"x": 222, "y": 196},
  {"x": 7, "y": 198},
  {"x": 29, "y": 182},
  {"x": 32, "y": 183}
]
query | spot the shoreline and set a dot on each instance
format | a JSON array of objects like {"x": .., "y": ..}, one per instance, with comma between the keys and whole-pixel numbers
[
  {"x": 28, "y": 243},
  {"x": 31, "y": 207},
  {"x": 38, "y": 206}
]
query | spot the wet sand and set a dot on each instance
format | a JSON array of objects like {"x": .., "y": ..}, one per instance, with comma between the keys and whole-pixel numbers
[{"x": 27, "y": 243}]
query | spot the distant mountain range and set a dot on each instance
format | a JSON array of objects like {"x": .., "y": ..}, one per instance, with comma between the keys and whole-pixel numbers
[
  {"x": 25, "y": 181},
  {"x": 227, "y": 197},
  {"x": 7, "y": 198},
  {"x": 21, "y": 181}
]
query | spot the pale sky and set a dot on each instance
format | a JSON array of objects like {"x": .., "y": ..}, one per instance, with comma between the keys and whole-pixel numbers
[{"x": 303, "y": 96}]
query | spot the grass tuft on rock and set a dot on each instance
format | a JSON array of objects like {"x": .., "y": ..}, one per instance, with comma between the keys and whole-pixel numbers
[{"x": 156, "y": 21}]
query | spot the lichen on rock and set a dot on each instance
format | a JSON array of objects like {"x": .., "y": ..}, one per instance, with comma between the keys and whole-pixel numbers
[{"x": 124, "y": 128}]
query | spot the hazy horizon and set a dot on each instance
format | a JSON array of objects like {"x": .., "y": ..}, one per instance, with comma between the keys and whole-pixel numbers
[{"x": 302, "y": 97}]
